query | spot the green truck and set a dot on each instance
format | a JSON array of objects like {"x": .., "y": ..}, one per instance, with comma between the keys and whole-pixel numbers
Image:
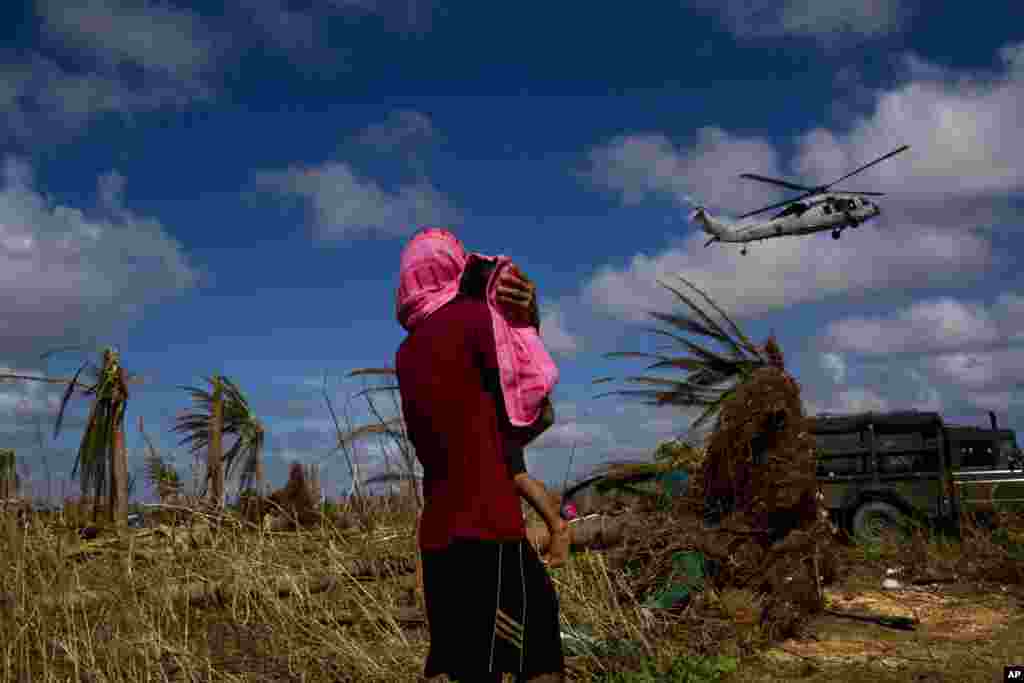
[{"x": 877, "y": 470}]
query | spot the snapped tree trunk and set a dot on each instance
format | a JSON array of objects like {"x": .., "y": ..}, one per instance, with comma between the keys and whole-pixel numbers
[
  {"x": 215, "y": 455},
  {"x": 7, "y": 474},
  {"x": 259, "y": 487},
  {"x": 119, "y": 480}
]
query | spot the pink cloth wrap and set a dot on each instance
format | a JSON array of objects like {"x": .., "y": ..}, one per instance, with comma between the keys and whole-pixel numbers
[{"x": 431, "y": 267}]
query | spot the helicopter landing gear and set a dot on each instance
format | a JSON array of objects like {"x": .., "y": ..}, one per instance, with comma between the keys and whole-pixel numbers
[
  {"x": 836, "y": 234},
  {"x": 743, "y": 251}
]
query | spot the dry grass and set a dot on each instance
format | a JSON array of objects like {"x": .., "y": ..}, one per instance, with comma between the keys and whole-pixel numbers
[{"x": 229, "y": 602}]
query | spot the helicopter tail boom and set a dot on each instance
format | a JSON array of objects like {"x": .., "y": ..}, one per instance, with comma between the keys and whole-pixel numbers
[{"x": 718, "y": 230}]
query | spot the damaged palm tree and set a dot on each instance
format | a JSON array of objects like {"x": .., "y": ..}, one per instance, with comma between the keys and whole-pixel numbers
[
  {"x": 758, "y": 476},
  {"x": 161, "y": 475},
  {"x": 9, "y": 482},
  {"x": 221, "y": 411},
  {"x": 103, "y": 445}
]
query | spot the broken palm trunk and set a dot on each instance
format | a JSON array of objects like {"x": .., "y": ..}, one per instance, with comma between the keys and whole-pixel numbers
[
  {"x": 759, "y": 478},
  {"x": 757, "y": 484}
]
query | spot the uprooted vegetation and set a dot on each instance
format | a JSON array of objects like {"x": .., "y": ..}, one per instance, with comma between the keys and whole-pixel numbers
[
  {"x": 656, "y": 589},
  {"x": 212, "y": 598}
]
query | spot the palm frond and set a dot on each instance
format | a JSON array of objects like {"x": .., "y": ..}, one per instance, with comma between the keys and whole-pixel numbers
[
  {"x": 690, "y": 325},
  {"x": 709, "y": 322},
  {"x": 749, "y": 345},
  {"x": 372, "y": 371},
  {"x": 64, "y": 401},
  {"x": 711, "y": 375}
]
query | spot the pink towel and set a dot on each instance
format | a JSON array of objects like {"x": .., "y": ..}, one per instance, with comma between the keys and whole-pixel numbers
[{"x": 431, "y": 267}]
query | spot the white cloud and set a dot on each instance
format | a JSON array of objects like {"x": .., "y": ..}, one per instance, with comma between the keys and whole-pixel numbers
[
  {"x": 566, "y": 434},
  {"x": 852, "y": 400},
  {"x": 981, "y": 370},
  {"x": 556, "y": 338},
  {"x": 927, "y": 325},
  {"x": 347, "y": 206},
  {"x": 69, "y": 276},
  {"x": 963, "y": 132},
  {"x": 827, "y": 22},
  {"x": 998, "y": 402},
  {"x": 302, "y": 32},
  {"x": 785, "y": 272},
  {"x": 156, "y": 37},
  {"x": 401, "y": 128},
  {"x": 640, "y": 166},
  {"x": 927, "y": 397},
  {"x": 41, "y": 99},
  {"x": 965, "y": 162},
  {"x": 835, "y": 365}
]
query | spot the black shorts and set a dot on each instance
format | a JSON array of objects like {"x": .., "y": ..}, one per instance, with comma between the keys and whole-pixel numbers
[{"x": 491, "y": 607}]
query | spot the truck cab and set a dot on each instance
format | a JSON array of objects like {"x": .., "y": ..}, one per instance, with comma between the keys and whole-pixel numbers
[{"x": 878, "y": 470}]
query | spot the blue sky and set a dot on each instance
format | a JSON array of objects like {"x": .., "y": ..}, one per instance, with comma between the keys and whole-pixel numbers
[{"x": 228, "y": 192}]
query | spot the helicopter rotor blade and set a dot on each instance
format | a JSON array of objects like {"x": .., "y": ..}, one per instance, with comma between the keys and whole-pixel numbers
[
  {"x": 776, "y": 181},
  {"x": 775, "y": 206},
  {"x": 869, "y": 165},
  {"x": 866, "y": 194}
]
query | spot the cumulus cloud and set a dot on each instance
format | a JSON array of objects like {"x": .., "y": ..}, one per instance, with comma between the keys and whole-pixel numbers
[
  {"x": 348, "y": 206},
  {"x": 852, "y": 400},
  {"x": 642, "y": 166},
  {"x": 963, "y": 132},
  {"x": 41, "y": 98},
  {"x": 955, "y": 182},
  {"x": 982, "y": 370},
  {"x": 827, "y": 22},
  {"x": 929, "y": 325},
  {"x": 835, "y": 365},
  {"x": 402, "y": 128},
  {"x": 566, "y": 434},
  {"x": 69, "y": 275},
  {"x": 553, "y": 332},
  {"x": 156, "y": 37},
  {"x": 784, "y": 272},
  {"x": 302, "y": 33}
]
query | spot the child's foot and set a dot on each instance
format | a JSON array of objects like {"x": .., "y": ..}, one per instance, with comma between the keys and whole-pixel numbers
[{"x": 558, "y": 549}]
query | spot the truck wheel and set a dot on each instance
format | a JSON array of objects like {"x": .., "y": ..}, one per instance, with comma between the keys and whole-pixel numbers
[{"x": 876, "y": 518}]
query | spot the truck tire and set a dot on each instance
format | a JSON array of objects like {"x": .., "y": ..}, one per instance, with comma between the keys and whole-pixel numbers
[{"x": 876, "y": 517}]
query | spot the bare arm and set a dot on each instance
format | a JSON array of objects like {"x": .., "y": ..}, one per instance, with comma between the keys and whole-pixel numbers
[{"x": 537, "y": 495}]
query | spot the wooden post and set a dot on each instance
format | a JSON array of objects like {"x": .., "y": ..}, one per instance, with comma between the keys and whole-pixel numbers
[
  {"x": 119, "y": 480},
  {"x": 215, "y": 454},
  {"x": 259, "y": 483},
  {"x": 7, "y": 474}
]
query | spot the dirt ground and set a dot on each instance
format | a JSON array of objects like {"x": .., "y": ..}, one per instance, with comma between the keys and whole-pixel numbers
[{"x": 966, "y": 632}]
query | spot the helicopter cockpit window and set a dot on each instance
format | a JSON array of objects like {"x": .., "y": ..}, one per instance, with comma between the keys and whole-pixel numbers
[
  {"x": 826, "y": 208},
  {"x": 794, "y": 209}
]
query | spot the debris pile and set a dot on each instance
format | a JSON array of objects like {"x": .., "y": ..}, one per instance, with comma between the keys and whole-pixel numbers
[{"x": 751, "y": 510}]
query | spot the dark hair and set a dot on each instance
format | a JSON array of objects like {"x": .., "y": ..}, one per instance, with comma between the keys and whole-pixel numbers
[{"x": 475, "y": 276}]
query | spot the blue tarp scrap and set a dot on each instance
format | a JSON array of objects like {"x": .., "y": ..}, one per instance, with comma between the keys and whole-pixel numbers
[{"x": 675, "y": 482}]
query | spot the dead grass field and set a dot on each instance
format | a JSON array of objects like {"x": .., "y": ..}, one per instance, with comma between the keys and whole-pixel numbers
[{"x": 221, "y": 602}]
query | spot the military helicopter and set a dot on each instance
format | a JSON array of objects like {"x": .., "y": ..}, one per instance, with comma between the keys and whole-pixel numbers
[{"x": 816, "y": 210}]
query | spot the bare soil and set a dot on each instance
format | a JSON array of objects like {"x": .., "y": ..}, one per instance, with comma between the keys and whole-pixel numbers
[{"x": 966, "y": 632}]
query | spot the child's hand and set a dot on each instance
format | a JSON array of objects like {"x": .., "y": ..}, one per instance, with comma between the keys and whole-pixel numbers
[{"x": 558, "y": 548}]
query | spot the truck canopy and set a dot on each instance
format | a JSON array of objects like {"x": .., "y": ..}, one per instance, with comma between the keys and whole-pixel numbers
[{"x": 895, "y": 421}]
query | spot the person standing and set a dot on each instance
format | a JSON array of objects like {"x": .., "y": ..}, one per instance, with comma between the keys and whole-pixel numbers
[{"x": 491, "y": 606}]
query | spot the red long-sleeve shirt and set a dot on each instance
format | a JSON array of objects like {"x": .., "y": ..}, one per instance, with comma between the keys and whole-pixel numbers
[{"x": 455, "y": 424}]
